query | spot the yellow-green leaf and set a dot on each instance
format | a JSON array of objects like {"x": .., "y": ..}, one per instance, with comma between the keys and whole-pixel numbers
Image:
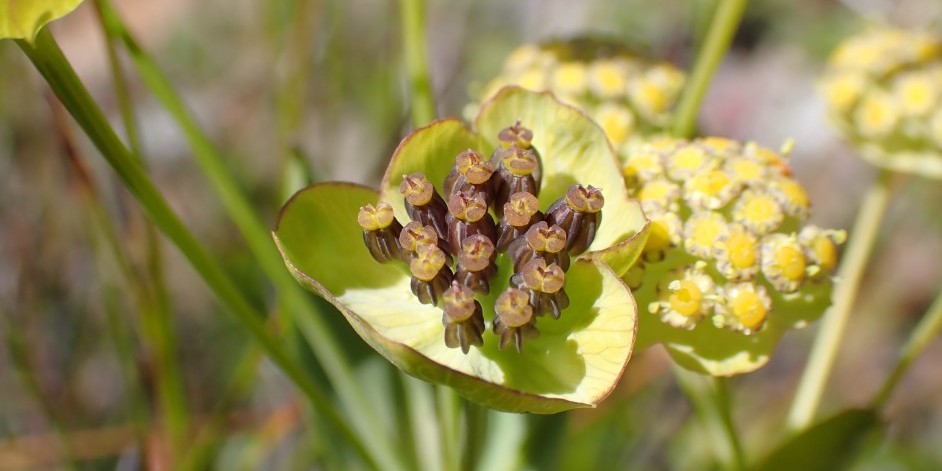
[
  {"x": 22, "y": 19},
  {"x": 575, "y": 362}
]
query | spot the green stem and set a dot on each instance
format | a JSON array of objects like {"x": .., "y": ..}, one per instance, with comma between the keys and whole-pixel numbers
[
  {"x": 153, "y": 300},
  {"x": 722, "y": 28},
  {"x": 416, "y": 56},
  {"x": 475, "y": 432},
  {"x": 48, "y": 59},
  {"x": 711, "y": 400},
  {"x": 306, "y": 315},
  {"x": 449, "y": 424},
  {"x": 928, "y": 327},
  {"x": 828, "y": 341}
]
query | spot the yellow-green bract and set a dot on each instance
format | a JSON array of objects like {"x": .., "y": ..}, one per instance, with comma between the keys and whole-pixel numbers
[{"x": 24, "y": 19}]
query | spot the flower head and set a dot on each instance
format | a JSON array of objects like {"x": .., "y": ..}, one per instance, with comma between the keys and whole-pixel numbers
[
  {"x": 500, "y": 276},
  {"x": 730, "y": 264},
  {"x": 884, "y": 90},
  {"x": 625, "y": 93}
]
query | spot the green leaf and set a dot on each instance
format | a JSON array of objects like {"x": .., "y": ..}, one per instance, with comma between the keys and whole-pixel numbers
[
  {"x": 830, "y": 444},
  {"x": 575, "y": 362},
  {"x": 574, "y": 150},
  {"x": 723, "y": 352},
  {"x": 23, "y": 19}
]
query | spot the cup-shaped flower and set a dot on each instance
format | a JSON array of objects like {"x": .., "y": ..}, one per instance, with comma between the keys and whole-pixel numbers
[
  {"x": 23, "y": 20},
  {"x": 628, "y": 95},
  {"x": 884, "y": 92},
  {"x": 730, "y": 264},
  {"x": 477, "y": 331}
]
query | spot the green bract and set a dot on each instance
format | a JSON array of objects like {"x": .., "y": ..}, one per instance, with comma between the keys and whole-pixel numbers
[
  {"x": 24, "y": 19},
  {"x": 577, "y": 360}
]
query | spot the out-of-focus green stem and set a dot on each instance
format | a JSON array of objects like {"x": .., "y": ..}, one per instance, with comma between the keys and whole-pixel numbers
[
  {"x": 828, "y": 341},
  {"x": 306, "y": 315},
  {"x": 928, "y": 327},
  {"x": 710, "y": 398},
  {"x": 722, "y": 28},
  {"x": 48, "y": 59},
  {"x": 416, "y": 55},
  {"x": 153, "y": 300}
]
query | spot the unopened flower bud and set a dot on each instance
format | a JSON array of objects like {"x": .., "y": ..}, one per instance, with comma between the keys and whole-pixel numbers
[
  {"x": 415, "y": 234},
  {"x": 579, "y": 214},
  {"x": 515, "y": 135},
  {"x": 476, "y": 263},
  {"x": 430, "y": 275},
  {"x": 515, "y": 320},
  {"x": 518, "y": 172},
  {"x": 467, "y": 215},
  {"x": 380, "y": 231},
  {"x": 424, "y": 204},
  {"x": 471, "y": 174},
  {"x": 521, "y": 212},
  {"x": 545, "y": 285},
  {"x": 540, "y": 241},
  {"x": 463, "y": 318}
]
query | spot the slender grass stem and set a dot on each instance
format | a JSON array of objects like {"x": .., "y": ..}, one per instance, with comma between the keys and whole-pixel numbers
[
  {"x": 416, "y": 55},
  {"x": 928, "y": 328},
  {"x": 305, "y": 313},
  {"x": 48, "y": 59},
  {"x": 720, "y": 35},
  {"x": 827, "y": 343}
]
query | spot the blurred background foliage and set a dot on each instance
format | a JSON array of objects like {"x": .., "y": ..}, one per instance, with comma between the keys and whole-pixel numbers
[{"x": 321, "y": 83}]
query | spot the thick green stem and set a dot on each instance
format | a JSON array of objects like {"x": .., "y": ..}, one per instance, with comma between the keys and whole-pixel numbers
[
  {"x": 827, "y": 343},
  {"x": 711, "y": 402},
  {"x": 722, "y": 28},
  {"x": 416, "y": 56},
  {"x": 52, "y": 64},
  {"x": 306, "y": 315},
  {"x": 928, "y": 327}
]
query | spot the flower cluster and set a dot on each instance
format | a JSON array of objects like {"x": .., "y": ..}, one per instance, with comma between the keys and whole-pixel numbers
[
  {"x": 452, "y": 244},
  {"x": 884, "y": 90},
  {"x": 728, "y": 247},
  {"x": 626, "y": 94}
]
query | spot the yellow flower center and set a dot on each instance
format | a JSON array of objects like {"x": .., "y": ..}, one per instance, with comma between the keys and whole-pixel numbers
[
  {"x": 791, "y": 261},
  {"x": 686, "y": 299},
  {"x": 616, "y": 121},
  {"x": 746, "y": 170},
  {"x": 706, "y": 231},
  {"x": 570, "y": 78},
  {"x": 877, "y": 115},
  {"x": 843, "y": 91},
  {"x": 748, "y": 308},
  {"x": 688, "y": 159},
  {"x": 759, "y": 212},
  {"x": 916, "y": 94},
  {"x": 742, "y": 250},
  {"x": 608, "y": 78},
  {"x": 657, "y": 191},
  {"x": 711, "y": 183},
  {"x": 532, "y": 80}
]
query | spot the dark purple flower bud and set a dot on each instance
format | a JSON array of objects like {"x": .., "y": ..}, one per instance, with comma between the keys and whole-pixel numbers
[
  {"x": 518, "y": 172},
  {"x": 545, "y": 285},
  {"x": 471, "y": 174},
  {"x": 467, "y": 216},
  {"x": 430, "y": 276},
  {"x": 521, "y": 212},
  {"x": 380, "y": 231},
  {"x": 514, "y": 321},
  {"x": 415, "y": 234},
  {"x": 476, "y": 263},
  {"x": 515, "y": 135},
  {"x": 463, "y": 318},
  {"x": 424, "y": 204},
  {"x": 540, "y": 241},
  {"x": 578, "y": 213}
]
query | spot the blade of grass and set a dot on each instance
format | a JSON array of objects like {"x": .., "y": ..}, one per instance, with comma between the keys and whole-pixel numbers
[
  {"x": 48, "y": 59},
  {"x": 711, "y": 401},
  {"x": 306, "y": 315},
  {"x": 722, "y": 29},
  {"x": 860, "y": 244},
  {"x": 927, "y": 329}
]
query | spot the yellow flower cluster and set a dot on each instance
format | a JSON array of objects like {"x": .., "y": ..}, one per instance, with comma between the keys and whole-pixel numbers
[
  {"x": 884, "y": 90},
  {"x": 728, "y": 240},
  {"x": 627, "y": 95}
]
